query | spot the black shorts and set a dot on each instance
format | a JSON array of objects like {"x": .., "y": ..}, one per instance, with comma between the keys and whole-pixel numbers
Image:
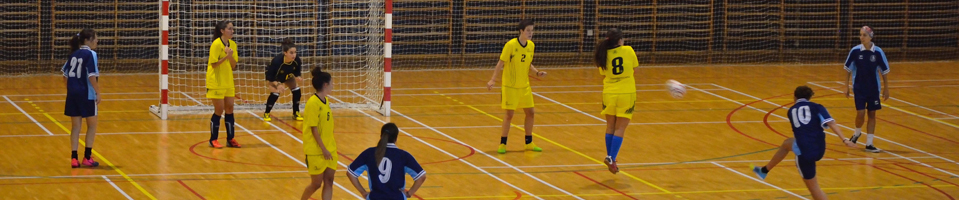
[
  {"x": 867, "y": 100},
  {"x": 77, "y": 106}
]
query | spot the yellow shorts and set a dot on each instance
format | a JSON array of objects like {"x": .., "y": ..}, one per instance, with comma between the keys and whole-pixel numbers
[
  {"x": 621, "y": 105},
  {"x": 514, "y": 98},
  {"x": 220, "y": 93},
  {"x": 316, "y": 164}
]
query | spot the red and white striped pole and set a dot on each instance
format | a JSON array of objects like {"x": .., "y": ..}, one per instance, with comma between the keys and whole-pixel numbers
[
  {"x": 164, "y": 57},
  {"x": 388, "y": 59}
]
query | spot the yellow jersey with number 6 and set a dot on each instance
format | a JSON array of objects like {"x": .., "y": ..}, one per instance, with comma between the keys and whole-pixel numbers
[
  {"x": 318, "y": 114},
  {"x": 620, "y": 62},
  {"x": 517, "y": 58}
]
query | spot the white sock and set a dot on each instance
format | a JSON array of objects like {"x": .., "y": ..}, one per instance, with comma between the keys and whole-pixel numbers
[
  {"x": 868, "y": 139},
  {"x": 858, "y": 131}
]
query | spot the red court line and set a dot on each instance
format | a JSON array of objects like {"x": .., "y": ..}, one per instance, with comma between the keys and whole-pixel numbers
[
  {"x": 518, "y": 195},
  {"x": 924, "y": 174},
  {"x": 191, "y": 189},
  {"x": 728, "y": 122},
  {"x": 604, "y": 185},
  {"x": 193, "y": 150},
  {"x": 916, "y": 130},
  {"x": 472, "y": 151}
]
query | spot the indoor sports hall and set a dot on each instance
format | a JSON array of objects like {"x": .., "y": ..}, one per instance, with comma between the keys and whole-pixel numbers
[{"x": 424, "y": 65}]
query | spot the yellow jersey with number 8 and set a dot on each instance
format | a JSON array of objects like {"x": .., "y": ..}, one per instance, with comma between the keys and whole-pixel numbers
[
  {"x": 620, "y": 62},
  {"x": 517, "y": 58}
]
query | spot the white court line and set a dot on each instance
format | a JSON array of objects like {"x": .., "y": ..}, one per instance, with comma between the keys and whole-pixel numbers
[
  {"x": 571, "y": 108},
  {"x": 760, "y": 181},
  {"x": 877, "y": 137},
  {"x": 562, "y": 125},
  {"x": 547, "y": 92},
  {"x": 294, "y": 159},
  {"x": 912, "y": 104},
  {"x": 295, "y": 138},
  {"x": 28, "y": 115},
  {"x": 894, "y": 81},
  {"x": 547, "y": 86},
  {"x": 191, "y": 98},
  {"x": 594, "y": 117},
  {"x": 166, "y": 174},
  {"x": 700, "y": 162},
  {"x": 463, "y": 160},
  {"x": 118, "y": 188},
  {"x": 126, "y": 133}
]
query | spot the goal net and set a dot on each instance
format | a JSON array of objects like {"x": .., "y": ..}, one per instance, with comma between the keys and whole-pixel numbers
[{"x": 344, "y": 37}]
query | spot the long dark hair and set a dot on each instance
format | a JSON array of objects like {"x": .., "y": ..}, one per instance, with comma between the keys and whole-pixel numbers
[
  {"x": 79, "y": 38},
  {"x": 287, "y": 44},
  {"x": 613, "y": 36},
  {"x": 388, "y": 134},
  {"x": 217, "y": 31},
  {"x": 319, "y": 78}
]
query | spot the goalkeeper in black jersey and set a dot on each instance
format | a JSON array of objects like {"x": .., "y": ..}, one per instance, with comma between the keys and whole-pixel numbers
[{"x": 284, "y": 70}]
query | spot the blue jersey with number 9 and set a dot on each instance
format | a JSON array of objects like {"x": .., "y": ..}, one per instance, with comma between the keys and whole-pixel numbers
[{"x": 386, "y": 177}]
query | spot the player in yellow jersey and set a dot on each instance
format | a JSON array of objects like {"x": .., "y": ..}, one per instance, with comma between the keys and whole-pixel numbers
[
  {"x": 616, "y": 61},
  {"x": 318, "y": 142},
  {"x": 515, "y": 64},
  {"x": 219, "y": 82}
]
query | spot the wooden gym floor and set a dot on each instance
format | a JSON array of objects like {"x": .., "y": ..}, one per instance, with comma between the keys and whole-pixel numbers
[{"x": 699, "y": 147}]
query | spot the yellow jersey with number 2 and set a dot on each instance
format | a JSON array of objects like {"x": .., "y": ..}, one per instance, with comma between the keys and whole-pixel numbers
[{"x": 517, "y": 58}]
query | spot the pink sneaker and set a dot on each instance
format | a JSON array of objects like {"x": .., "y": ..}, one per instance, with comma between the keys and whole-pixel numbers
[
  {"x": 90, "y": 163},
  {"x": 74, "y": 163}
]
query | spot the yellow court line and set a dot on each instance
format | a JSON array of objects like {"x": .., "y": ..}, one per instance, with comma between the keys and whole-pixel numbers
[
  {"x": 922, "y": 116},
  {"x": 701, "y": 192},
  {"x": 104, "y": 160},
  {"x": 558, "y": 144}
]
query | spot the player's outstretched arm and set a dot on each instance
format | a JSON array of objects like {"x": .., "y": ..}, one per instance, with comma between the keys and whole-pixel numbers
[{"x": 835, "y": 129}]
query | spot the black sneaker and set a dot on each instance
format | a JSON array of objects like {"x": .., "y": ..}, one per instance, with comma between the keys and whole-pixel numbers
[
  {"x": 871, "y": 148},
  {"x": 854, "y": 138}
]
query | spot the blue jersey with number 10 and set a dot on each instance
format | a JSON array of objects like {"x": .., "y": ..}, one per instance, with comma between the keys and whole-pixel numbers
[
  {"x": 81, "y": 65},
  {"x": 808, "y": 121}
]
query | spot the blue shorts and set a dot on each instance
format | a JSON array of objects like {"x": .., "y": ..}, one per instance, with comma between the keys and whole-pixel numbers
[
  {"x": 806, "y": 166},
  {"x": 80, "y": 106},
  {"x": 867, "y": 100}
]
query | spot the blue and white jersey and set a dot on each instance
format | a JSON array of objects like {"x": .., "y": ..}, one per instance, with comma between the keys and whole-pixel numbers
[
  {"x": 808, "y": 121},
  {"x": 81, "y": 65},
  {"x": 865, "y": 65},
  {"x": 386, "y": 178}
]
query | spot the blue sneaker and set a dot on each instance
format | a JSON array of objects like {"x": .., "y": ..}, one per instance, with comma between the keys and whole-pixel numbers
[{"x": 759, "y": 172}]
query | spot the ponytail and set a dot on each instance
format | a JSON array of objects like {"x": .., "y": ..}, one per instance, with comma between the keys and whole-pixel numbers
[
  {"x": 217, "y": 30},
  {"x": 287, "y": 44},
  {"x": 77, "y": 40},
  {"x": 319, "y": 78},
  {"x": 388, "y": 134},
  {"x": 611, "y": 41}
]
